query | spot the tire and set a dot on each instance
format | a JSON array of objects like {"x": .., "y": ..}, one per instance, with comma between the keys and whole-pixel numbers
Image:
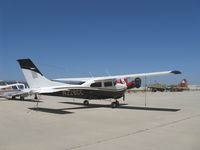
[
  {"x": 114, "y": 104},
  {"x": 86, "y": 102},
  {"x": 21, "y": 98},
  {"x": 117, "y": 103}
]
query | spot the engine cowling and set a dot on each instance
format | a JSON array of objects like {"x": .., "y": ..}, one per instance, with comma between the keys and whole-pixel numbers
[
  {"x": 130, "y": 84},
  {"x": 133, "y": 84},
  {"x": 183, "y": 83}
]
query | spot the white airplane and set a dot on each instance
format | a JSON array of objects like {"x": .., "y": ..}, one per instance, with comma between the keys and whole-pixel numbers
[
  {"x": 13, "y": 89},
  {"x": 110, "y": 87}
]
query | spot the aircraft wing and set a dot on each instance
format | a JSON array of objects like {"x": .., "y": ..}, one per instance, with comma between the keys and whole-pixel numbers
[
  {"x": 136, "y": 75},
  {"x": 14, "y": 93}
]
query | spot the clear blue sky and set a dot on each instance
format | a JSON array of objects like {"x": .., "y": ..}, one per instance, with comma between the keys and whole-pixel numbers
[{"x": 70, "y": 38}]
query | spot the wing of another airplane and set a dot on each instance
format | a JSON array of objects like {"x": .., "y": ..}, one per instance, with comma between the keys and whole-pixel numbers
[{"x": 17, "y": 93}]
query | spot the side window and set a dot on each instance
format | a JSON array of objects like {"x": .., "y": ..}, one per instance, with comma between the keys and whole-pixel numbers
[
  {"x": 97, "y": 84},
  {"x": 14, "y": 87},
  {"x": 106, "y": 84}
]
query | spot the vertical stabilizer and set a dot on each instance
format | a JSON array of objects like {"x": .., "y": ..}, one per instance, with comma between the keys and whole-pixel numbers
[
  {"x": 33, "y": 76},
  {"x": 183, "y": 83}
]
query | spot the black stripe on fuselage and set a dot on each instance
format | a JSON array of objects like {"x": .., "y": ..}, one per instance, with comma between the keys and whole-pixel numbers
[{"x": 89, "y": 94}]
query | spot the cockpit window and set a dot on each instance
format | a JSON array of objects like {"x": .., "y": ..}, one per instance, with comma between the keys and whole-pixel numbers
[
  {"x": 21, "y": 87},
  {"x": 106, "y": 84},
  {"x": 97, "y": 84},
  {"x": 2, "y": 83},
  {"x": 11, "y": 82},
  {"x": 26, "y": 85}
]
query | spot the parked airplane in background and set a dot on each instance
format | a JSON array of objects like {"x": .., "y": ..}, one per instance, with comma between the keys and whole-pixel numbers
[
  {"x": 182, "y": 86},
  {"x": 13, "y": 89},
  {"x": 110, "y": 87}
]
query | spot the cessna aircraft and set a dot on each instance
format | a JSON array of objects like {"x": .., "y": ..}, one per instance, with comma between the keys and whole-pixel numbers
[
  {"x": 110, "y": 87},
  {"x": 13, "y": 89}
]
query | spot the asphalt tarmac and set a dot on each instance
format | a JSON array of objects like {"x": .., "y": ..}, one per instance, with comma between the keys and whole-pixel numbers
[{"x": 170, "y": 120}]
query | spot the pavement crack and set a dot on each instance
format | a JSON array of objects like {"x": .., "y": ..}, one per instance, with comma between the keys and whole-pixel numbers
[{"x": 136, "y": 132}]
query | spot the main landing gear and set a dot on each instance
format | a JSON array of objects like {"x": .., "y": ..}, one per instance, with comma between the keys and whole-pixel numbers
[
  {"x": 86, "y": 102},
  {"x": 115, "y": 104},
  {"x": 36, "y": 97},
  {"x": 13, "y": 97},
  {"x": 21, "y": 98}
]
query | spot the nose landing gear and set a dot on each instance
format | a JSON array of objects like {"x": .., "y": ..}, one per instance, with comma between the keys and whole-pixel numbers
[{"x": 115, "y": 104}]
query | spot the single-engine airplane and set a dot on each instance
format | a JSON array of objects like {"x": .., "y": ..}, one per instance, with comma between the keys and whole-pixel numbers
[
  {"x": 109, "y": 87},
  {"x": 13, "y": 89}
]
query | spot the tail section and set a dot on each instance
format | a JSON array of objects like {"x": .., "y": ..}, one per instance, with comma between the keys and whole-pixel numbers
[
  {"x": 33, "y": 76},
  {"x": 183, "y": 83}
]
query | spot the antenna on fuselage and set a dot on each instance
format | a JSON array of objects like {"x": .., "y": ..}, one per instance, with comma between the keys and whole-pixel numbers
[
  {"x": 91, "y": 75},
  {"x": 108, "y": 73}
]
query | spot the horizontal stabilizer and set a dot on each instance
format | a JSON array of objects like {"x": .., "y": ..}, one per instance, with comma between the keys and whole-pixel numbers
[{"x": 176, "y": 72}]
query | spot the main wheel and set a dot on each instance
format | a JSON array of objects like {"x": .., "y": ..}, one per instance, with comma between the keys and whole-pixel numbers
[
  {"x": 21, "y": 98},
  {"x": 86, "y": 102},
  {"x": 117, "y": 103},
  {"x": 35, "y": 97},
  {"x": 114, "y": 104}
]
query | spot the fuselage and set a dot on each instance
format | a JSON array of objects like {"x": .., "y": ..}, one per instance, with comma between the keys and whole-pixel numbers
[
  {"x": 10, "y": 89},
  {"x": 92, "y": 90}
]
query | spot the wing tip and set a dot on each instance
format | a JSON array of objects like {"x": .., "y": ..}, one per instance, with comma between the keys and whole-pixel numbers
[{"x": 176, "y": 72}]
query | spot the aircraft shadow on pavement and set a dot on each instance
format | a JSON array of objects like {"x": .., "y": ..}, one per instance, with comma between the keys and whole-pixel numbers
[
  {"x": 2, "y": 99},
  {"x": 149, "y": 108},
  {"x": 87, "y": 107},
  {"x": 50, "y": 110},
  {"x": 122, "y": 106},
  {"x": 25, "y": 100}
]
